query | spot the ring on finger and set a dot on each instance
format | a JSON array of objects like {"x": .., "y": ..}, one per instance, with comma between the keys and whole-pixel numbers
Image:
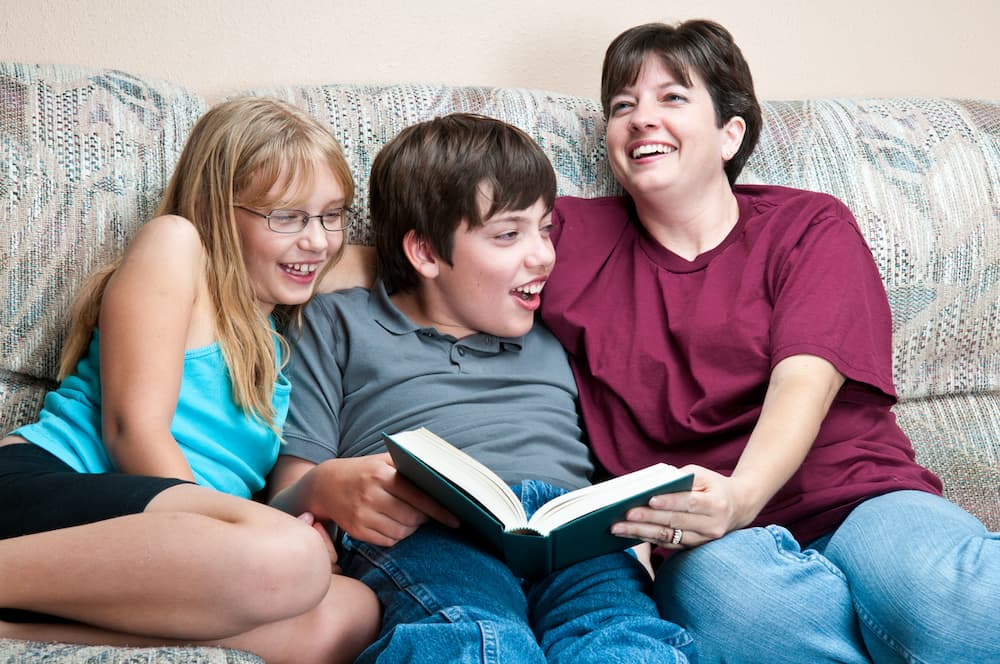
[{"x": 677, "y": 536}]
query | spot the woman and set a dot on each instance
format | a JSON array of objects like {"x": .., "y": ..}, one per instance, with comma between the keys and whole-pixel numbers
[
  {"x": 123, "y": 508},
  {"x": 744, "y": 330}
]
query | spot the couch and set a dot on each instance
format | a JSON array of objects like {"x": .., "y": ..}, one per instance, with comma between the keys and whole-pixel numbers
[{"x": 85, "y": 154}]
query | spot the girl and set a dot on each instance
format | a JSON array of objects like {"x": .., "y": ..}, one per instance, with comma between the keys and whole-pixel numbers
[{"x": 123, "y": 507}]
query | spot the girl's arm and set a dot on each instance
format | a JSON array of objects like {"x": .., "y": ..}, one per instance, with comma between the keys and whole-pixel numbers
[
  {"x": 147, "y": 320},
  {"x": 799, "y": 394}
]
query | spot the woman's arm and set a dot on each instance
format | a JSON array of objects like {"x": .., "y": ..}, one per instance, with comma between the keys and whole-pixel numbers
[
  {"x": 145, "y": 326},
  {"x": 799, "y": 394}
]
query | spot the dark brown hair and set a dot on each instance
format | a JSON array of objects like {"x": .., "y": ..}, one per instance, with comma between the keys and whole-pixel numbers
[
  {"x": 430, "y": 177},
  {"x": 703, "y": 47}
]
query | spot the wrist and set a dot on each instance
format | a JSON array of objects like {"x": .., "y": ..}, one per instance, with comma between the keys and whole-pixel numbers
[{"x": 753, "y": 495}]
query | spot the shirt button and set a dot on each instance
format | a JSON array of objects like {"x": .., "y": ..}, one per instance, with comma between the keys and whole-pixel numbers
[{"x": 461, "y": 351}]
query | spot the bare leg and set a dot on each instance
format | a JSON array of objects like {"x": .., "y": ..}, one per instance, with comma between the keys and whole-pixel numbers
[
  {"x": 196, "y": 565},
  {"x": 335, "y": 631}
]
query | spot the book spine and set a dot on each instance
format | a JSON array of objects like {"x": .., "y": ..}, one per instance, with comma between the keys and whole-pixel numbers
[{"x": 528, "y": 555}]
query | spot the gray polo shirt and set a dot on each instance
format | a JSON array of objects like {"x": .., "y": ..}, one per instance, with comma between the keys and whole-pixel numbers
[{"x": 362, "y": 367}]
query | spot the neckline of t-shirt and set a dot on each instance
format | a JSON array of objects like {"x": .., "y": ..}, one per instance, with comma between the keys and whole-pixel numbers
[{"x": 668, "y": 260}]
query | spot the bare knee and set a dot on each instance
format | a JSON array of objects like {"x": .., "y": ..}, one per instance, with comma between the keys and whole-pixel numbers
[
  {"x": 344, "y": 623},
  {"x": 266, "y": 566},
  {"x": 287, "y": 565}
]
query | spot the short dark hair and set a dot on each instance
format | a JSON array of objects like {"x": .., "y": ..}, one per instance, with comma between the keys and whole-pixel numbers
[
  {"x": 704, "y": 47},
  {"x": 430, "y": 176}
]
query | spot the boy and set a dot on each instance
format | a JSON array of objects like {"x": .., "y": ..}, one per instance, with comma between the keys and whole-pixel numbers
[{"x": 445, "y": 339}]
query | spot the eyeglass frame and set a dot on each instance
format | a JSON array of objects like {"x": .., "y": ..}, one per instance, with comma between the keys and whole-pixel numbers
[{"x": 305, "y": 216}]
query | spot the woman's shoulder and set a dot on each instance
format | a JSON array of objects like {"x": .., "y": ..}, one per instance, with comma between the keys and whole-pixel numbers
[
  {"x": 592, "y": 221},
  {"x": 769, "y": 196},
  {"x": 592, "y": 206}
]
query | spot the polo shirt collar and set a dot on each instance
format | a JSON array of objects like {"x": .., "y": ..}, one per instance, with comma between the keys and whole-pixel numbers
[{"x": 394, "y": 321}]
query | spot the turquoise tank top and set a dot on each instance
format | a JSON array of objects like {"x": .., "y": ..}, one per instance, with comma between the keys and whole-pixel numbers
[{"x": 227, "y": 449}]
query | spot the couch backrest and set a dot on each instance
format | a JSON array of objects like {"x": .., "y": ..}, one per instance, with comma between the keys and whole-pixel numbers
[
  {"x": 85, "y": 154},
  {"x": 922, "y": 176}
]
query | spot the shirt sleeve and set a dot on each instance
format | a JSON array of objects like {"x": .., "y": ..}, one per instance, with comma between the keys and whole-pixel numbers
[
  {"x": 829, "y": 301},
  {"x": 312, "y": 431}
]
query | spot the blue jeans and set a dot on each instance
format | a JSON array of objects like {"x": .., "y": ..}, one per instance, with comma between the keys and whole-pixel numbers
[
  {"x": 907, "y": 577},
  {"x": 445, "y": 599}
]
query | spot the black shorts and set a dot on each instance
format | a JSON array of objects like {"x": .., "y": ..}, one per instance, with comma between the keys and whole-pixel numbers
[{"x": 39, "y": 492}]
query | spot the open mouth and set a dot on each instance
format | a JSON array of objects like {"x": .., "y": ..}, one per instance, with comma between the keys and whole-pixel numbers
[{"x": 530, "y": 291}]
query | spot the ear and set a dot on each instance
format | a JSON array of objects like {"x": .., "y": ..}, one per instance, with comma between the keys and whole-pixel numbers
[
  {"x": 421, "y": 256},
  {"x": 731, "y": 136}
]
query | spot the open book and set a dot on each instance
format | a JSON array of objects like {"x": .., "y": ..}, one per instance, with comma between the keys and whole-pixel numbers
[{"x": 567, "y": 529}]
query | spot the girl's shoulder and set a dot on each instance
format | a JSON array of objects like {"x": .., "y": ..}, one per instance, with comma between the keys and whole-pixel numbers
[
  {"x": 162, "y": 275},
  {"x": 168, "y": 244},
  {"x": 170, "y": 231}
]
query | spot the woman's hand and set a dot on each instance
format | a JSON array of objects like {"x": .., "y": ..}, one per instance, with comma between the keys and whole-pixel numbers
[{"x": 715, "y": 506}]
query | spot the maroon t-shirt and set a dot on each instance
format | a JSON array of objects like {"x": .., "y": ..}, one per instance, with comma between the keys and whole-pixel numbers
[{"x": 672, "y": 357}]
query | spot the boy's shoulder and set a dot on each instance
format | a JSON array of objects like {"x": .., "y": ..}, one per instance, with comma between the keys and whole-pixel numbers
[
  {"x": 342, "y": 308},
  {"x": 348, "y": 299}
]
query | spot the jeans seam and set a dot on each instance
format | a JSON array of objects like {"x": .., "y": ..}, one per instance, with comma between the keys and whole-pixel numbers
[
  {"x": 885, "y": 637},
  {"x": 803, "y": 556},
  {"x": 491, "y": 641},
  {"x": 425, "y": 599}
]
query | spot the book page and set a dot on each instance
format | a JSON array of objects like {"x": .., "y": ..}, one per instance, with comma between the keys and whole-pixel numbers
[
  {"x": 575, "y": 504},
  {"x": 475, "y": 479}
]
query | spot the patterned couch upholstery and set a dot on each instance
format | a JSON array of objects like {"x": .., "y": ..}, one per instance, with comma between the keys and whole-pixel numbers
[{"x": 85, "y": 154}]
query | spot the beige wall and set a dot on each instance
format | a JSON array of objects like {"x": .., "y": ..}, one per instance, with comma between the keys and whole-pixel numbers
[{"x": 797, "y": 48}]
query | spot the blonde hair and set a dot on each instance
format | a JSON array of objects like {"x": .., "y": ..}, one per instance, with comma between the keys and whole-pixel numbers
[{"x": 243, "y": 147}]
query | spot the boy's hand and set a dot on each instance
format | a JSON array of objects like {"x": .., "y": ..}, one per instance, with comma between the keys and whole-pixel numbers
[{"x": 371, "y": 502}]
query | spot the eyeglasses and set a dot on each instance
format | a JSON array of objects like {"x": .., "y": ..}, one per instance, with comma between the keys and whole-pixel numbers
[{"x": 293, "y": 221}]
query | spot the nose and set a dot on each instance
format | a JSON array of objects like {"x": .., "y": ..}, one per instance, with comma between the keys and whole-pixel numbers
[
  {"x": 542, "y": 254},
  {"x": 316, "y": 238},
  {"x": 642, "y": 115}
]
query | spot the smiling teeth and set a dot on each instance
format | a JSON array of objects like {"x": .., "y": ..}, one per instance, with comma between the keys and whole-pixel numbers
[
  {"x": 529, "y": 289},
  {"x": 304, "y": 268},
  {"x": 651, "y": 148}
]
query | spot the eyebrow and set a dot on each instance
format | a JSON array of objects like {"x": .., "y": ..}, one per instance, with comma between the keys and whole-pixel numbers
[
  {"x": 332, "y": 205},
  {"x": 516, "y": 216}
]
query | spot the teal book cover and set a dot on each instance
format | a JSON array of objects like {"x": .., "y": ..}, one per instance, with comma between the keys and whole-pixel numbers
[{"x": 530, "y": 551}]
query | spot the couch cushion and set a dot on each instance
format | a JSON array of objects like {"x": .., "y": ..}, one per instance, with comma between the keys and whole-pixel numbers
[
  {"x": 61, "y": 653},
  {"x": 84, "y": 155}
]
